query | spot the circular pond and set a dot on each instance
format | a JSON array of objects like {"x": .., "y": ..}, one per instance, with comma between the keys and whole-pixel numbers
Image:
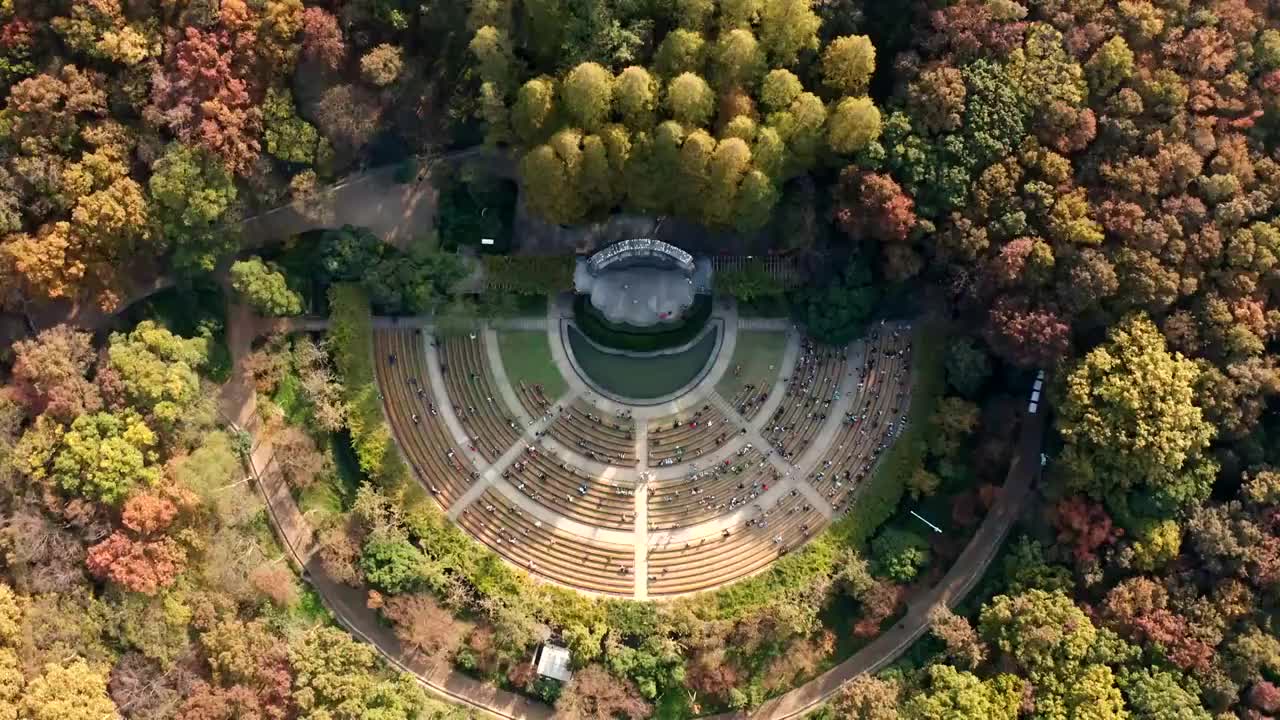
[{"x": 641, "y": 378}]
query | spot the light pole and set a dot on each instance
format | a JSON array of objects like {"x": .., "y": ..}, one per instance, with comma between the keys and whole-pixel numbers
[{"x": 926, "y": 522}]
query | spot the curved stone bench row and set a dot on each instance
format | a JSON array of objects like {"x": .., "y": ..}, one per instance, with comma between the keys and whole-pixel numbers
[
  {"x": 475, "y": 398},
  {"x": 809, "y": 396},
  {"x": 688, "y": 435},
  {"x": 545, "y": 551},
  {"x": 562, "y": 488}
]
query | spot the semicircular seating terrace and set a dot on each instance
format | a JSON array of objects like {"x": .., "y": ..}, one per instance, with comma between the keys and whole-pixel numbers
[
  {"x": 877, "y": 415},
  {"x": 557, "y": 485},
  {"x": 688, "y": 435},
  {"x": 641, "y": 502}
]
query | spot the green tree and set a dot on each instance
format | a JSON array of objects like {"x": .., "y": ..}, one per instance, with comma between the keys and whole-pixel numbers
[
  {"x": 1130, "y": 422},
  {"x": 968, "y": 366},
  {"x": 727, "y": 165},
  {"x": 779, "y": 89},
  {"x": 636, "y": 94},
  {"x": 847, "y": 64},
  {"x": 289, "y": 137},
  {"x": 853, "y": 125},
  {"x": 694, "y": 14},
  {"x": 953, "y": 693},
  {"x": 193, "y": 191},
  {"x": 1153, "y": 694},
  {"x": 838, "y": 312},
  {"x": 158, "y": 369},
  {"x": 397, "y": 281},
  {"x": 788, "y": 27},
  {"x": 736, "y": 59},
  {"x": 492, "y": 49},
  {"x": 264, "y": 288},
  {"x": 105, "y": 455},
  {"x": 393, "y": 565},
  {"x": 690, "y": 100},
  {"x": 335, "y": 678},
  {"x": 1043, "y": 632},
  {"x": 550, "y": 185},
  {"x": 899, "y": 554},
  {"x": 681, "y": 51},
  {"x": 587, "y": 94},
  {"x": 74, "y": 691},
  {"x": 1110, "y": 65},
  {"x": 534, "y": 110},
  {"x": 1060, "y": 650}
]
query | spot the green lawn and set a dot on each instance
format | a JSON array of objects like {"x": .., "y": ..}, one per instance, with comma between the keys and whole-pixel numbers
[
  {"x": 755, "y": 352},
  {"x": 527, "y": 358}
]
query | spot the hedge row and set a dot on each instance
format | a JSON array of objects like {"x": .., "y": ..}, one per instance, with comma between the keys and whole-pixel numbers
[
  {"x": 659, "y": 337},
  {"x": 533, "y": 275},
  {"x": 351, "y": 341}
]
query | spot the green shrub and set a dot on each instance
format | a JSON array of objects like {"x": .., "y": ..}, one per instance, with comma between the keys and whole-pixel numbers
[
  {"x": 351, "y": 337},
  {"x": 393, "y": 566},
  {"x": 525, "y": 275},
  {"x": 899, "y": 554},
  {"x": 750, "y": 283}
]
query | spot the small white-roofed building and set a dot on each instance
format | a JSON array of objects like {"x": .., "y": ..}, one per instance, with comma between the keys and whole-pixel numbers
[{"x": 553, "y": 662}]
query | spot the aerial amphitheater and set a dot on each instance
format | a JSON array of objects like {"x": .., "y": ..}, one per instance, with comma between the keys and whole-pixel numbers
[
  {"x": 583, "y": 484},
  {"x": 630, "y": 359}
]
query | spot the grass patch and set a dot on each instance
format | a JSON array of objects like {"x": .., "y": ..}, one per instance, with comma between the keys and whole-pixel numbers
[
  {"x": 289, "y": 397},
  {"x": 527, "y": 358},
  {"x": 759, "y": 355},
  {"x": 310, "y": 609}
]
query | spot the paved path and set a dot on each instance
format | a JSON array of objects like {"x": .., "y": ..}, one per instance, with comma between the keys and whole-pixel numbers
[
  {"x": 760, "y": 323},
  {"x": 530, "y": 324},
  {"x": 640, "y": 538}
]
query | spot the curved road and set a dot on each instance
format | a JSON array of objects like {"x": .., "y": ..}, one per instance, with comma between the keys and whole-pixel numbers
[{"x": 348, "y": 604}]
